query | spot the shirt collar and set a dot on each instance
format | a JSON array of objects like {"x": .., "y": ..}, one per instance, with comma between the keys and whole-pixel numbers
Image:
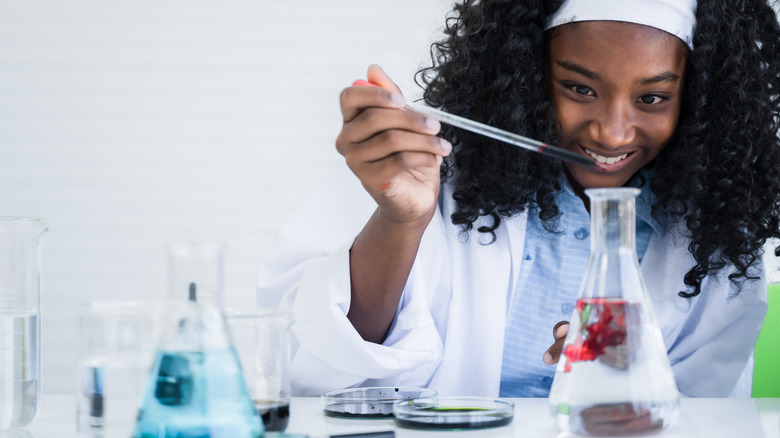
[{"x": 644, "y": 202}]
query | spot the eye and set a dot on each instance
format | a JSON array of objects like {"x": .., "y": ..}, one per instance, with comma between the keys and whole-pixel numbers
[
  {"x": 581, "y": 89},
  {"x": 651, "y": 99}
]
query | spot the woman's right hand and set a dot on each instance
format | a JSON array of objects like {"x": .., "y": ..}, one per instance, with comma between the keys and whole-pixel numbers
[{"x": 395, "y": 154}]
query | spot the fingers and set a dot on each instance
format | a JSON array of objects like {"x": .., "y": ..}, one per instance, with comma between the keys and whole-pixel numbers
[
  {"x": 354, "y": 100},
  {"x": 386, "y": 95},
  {"x": 553, "y": 354},
  {"x": 394, "y": 152},
  {"x": 378, "y": 134},
  {"x": 379, "y": 174},
  {"x": 374, "y": 130},
  {"x": 378, "y": 76},
  {"x": 564, "y": 331},
  {"x": 391, "y": 142},
  {"x": 372, "y": 121}
]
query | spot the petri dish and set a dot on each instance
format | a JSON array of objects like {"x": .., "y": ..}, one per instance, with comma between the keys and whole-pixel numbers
[
  {"x": 453, "y": 413},
  {"x": 374, "y": 402}
]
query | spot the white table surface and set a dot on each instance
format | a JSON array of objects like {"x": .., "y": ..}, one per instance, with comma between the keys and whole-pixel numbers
[{"x": 728, "y": 418}]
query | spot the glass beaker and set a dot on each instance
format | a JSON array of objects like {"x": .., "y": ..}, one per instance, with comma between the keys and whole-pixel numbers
[
  {"x": 613, "y": 376},
  {"x": 196, "y": 387},
  {"x": 116, "y": 346},
  {"x": 262, "y": 340},
  {"x": 20, "y": 282}
]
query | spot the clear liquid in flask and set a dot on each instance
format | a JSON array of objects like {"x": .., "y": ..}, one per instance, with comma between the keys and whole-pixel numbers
[{"x": 613, "y": 377}]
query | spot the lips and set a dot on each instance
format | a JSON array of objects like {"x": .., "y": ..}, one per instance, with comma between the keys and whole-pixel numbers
[{"x": 604, "y": 159}]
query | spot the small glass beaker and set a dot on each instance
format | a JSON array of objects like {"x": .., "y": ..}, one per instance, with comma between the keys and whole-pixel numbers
[
  {"x": 20, "y": 283},
  {"x": 117, "y": 343},
  {"x": 614, "y": 376},
  {"x": 262, "y": 340},
  {"x": 196, "y": 387}
]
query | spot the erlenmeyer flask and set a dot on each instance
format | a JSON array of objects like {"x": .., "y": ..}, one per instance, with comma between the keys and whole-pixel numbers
[
  {"x": 614, "y": 375},
  {"x": 196, "y": 387}
]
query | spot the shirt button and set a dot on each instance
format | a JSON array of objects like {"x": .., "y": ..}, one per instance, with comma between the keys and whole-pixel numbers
[
  {"x": 581, "y": 234},
  {"x": 566, "y": 309}
]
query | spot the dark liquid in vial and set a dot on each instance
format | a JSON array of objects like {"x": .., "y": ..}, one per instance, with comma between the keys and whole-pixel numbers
[{"x": 276, "y": 415}]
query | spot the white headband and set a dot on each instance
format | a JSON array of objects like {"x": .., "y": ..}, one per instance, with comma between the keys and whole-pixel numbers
[{"x": 677, "y": 17}]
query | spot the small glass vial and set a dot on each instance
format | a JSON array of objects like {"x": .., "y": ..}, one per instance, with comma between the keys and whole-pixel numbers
[{"x": 613, "y": 376}]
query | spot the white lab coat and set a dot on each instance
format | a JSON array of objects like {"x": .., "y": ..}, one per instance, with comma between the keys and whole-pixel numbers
[{"x": 448, "y": 333}]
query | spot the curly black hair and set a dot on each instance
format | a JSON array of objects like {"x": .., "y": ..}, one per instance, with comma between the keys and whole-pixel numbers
[{"x": 720, "y": 172}]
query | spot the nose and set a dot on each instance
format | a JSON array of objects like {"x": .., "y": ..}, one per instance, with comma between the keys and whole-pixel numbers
[{"x": 613, "y": 125}]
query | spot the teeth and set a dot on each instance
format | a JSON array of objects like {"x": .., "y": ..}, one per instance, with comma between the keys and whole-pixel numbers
[{"x": 605, "y": 160}]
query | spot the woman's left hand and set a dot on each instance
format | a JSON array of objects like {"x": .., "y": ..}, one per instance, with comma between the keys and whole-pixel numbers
[{"x": 553, "y": 353}]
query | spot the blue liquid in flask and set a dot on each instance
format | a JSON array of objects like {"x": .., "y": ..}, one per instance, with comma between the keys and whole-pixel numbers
[{"x": 197, "y": 394}]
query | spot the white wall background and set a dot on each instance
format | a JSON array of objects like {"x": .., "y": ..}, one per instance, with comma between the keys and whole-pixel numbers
[{"x": 129, "y": 124}]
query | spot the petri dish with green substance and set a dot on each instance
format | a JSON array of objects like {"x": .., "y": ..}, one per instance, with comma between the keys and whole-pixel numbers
[
  {"x": 453, "y": 413},
  {"x": 373, "y": 402}
]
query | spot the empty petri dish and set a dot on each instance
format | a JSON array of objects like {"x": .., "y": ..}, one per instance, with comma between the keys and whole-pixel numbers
[
  {"x": 375, "y": 402},
  {"x": 453, "y": 413}
]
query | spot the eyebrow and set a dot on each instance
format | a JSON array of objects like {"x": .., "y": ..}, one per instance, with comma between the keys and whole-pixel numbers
[
  {"x": 571, "y": 66},
  {"x": 663, "y": 77}
]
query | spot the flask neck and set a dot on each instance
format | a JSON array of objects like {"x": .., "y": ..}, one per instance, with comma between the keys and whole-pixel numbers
[
  {"x": 613, "y": 219},
  {"x": 195, "y": 273},
  {"x": 613, "y": 222}
]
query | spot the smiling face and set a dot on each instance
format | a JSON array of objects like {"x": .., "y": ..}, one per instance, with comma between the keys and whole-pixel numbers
[{"x": 617, "y": 89}]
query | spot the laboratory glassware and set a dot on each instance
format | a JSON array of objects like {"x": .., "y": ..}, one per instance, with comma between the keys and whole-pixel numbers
[
  {"x": 117, "y": 341},
  {"x": 196, "y": 387},
  {"x": 613, "y": 376},
  {"x": 261, "y": 338},
  {"x": 20, "y": 288}
]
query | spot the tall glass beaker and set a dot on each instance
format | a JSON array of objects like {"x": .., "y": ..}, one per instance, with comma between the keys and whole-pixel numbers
[
  {"x": 196, "y": 387},
  {"x": 20, "y": 284},
  {"x": 261, "y": 338},
  {"x": 614, "y": 376}
]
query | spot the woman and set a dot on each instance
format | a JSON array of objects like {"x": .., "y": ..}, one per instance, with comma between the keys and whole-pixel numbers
[{"x": 452, "y": 272}]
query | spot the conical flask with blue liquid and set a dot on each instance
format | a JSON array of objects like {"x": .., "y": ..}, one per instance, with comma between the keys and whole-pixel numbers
[{"x": 196, "y": 388}]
